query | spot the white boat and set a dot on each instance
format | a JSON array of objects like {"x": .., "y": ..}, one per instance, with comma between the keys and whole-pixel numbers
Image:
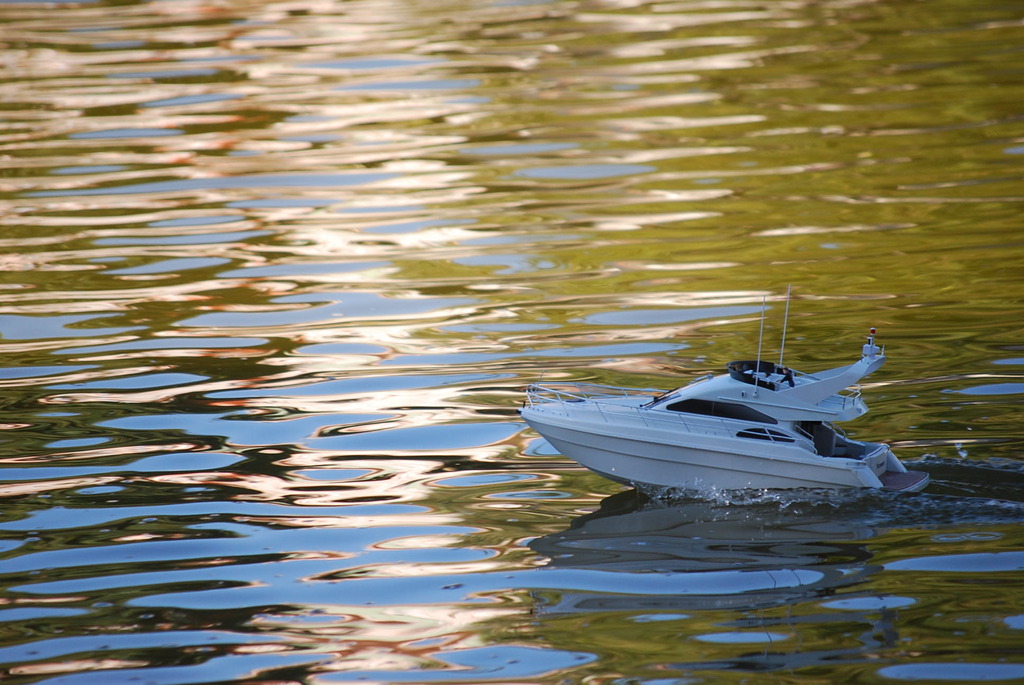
[{"x": 761, "y": 425}]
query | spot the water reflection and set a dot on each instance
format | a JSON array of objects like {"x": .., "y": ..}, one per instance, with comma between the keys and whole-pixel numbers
[
  {"x": 273, "y": 276},
  {"x": 763, "y": 583},
  {"x": 728, "y": 556}
]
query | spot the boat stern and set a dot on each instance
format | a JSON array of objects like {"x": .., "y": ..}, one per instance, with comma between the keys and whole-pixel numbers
[{"x": 887, "y": 472}]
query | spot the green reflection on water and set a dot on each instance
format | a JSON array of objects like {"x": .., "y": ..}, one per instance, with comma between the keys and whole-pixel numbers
[{"x": 594, "y": 191}]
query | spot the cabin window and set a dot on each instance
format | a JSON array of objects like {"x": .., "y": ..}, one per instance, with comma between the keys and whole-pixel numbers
[
  {"x": 722, "y": 410},
  {"x": 765, "y": 434}
]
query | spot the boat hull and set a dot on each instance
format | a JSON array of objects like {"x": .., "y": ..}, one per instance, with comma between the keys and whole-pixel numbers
[{"x": 670, "y": 463}]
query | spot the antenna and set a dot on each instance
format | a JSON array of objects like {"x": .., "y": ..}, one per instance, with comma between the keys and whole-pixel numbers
[
  {"x": 760, "y": 339},
  {"x": 785, "y": 323}
]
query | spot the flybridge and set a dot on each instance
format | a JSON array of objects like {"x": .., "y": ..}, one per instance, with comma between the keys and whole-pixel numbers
[
  {"x": 758, "y": 373},
  {"x": 807, "y": 389}
]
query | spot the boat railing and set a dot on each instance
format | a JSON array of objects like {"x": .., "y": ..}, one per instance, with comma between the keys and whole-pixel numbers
[
  {"x": 579, "y": 392},
  {"x": 844, "y": 398},
  {"x": 838, "y": 429},
  {"x": 853, "y": 391},
  {"x": 807, "y": 434}
]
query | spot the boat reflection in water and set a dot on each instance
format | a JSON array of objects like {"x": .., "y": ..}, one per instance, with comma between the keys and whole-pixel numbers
[
  {"x": 755, "y": 555},
  {"x": 754, "y": 586}
]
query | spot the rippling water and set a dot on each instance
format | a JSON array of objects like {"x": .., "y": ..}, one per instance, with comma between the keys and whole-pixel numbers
[{"x": 274, "y": 276}]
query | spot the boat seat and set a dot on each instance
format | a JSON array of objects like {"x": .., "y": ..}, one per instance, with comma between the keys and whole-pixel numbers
[{"x": 746, "y": 371}]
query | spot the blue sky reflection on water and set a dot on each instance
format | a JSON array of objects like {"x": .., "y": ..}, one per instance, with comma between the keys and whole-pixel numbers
[
  {"x": 273, "y": 278},
  {"x": 190, "y": 185}
]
